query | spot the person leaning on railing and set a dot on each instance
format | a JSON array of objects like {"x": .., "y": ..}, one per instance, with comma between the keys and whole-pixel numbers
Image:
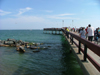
[{"x": 67, "y": 29}]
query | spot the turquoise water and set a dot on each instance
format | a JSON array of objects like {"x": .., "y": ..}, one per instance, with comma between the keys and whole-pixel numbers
[{"x": 56, "y": 60}]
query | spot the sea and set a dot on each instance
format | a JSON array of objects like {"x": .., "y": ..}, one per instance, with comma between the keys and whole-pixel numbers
[{"x": 56, "y": 59}]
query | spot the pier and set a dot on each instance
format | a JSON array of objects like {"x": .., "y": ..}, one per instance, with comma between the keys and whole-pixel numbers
[
  {"x": 87, "y": 54},
  {"x": 52, "y": 30}
]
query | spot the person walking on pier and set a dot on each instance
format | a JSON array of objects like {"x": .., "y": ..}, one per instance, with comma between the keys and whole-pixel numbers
[
  {"x": 83, "y": 33},
  {"x": 90, "y": 31}
]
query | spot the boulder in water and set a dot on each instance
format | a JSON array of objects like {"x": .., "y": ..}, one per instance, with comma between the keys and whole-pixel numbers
[
  {"x": 33, "y": 47},
  {"x": 21, "y": 49}
]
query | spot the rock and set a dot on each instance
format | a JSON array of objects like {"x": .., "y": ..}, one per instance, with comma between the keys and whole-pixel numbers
[
  {"x": 20, "y": 42},
  {"x": 17, "y": 48},
  {"x": 49, "y": 46},
  {"x": 26, "y": 43},
  {"x": 27, "y": 46},
  {"x": 14, "y": 41},
  {"x": 1, "y": 44},
  {"x": 21, "y": 49},
  {"x": 8, "y": 42},
  {"x": 38, "y": 43},
  {"x": 45, "y": 48},
  {"x": 17, "y": 45},
  {"x": 33, "y": 43},
  {"x": 11, "y": 40},
  {"x": 33, "y": 47}
]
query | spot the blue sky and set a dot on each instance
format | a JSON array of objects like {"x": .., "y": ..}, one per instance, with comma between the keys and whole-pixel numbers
[{"x": 39, "y": 14}]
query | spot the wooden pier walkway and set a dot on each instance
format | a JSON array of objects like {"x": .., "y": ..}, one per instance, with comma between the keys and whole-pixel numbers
[{"x": 87, "y": 55}]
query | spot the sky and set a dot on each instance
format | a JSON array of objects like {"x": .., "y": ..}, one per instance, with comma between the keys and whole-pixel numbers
[{"x": 39, "y": 14}]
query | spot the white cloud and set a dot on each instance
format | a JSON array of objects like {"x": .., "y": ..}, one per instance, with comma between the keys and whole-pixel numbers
[
  {"x": 28, "y": 8},
  {"x": 62, "y": 16},
  {"x": 21, "y": 11},
  {"x": 49, "y": 11},
  {"x": 2, "y": 13},
  {"x": 57, "y": 17},
  {"x": 66, "y": 14}
]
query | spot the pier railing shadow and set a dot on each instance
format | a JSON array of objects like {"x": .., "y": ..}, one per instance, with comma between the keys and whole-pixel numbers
[{"x": 87, "y": 44}]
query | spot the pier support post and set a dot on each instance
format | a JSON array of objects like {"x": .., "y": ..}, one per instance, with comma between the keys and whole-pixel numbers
[
  {"x": 52, "y": 32},
  {"x": 72, "y": 40},
  {"x": 46, "y": 32},
  {"x": 59, "y": 32},
  {"x": 55, "y": 32}
]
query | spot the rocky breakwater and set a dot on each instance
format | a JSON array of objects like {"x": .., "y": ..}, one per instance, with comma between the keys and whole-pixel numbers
[{"x": 20, "y": 45}]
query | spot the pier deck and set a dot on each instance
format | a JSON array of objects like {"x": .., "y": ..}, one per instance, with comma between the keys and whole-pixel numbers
[{"x": 86, "y": 66}]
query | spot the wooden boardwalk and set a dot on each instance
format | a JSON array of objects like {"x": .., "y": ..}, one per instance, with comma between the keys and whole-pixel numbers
[{"x": 87, "y": 66}]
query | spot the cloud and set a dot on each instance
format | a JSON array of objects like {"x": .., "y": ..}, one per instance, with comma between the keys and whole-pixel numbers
[
  {"x": 62, "y": 16},
  {"x": 57, "y": 17},
  {"x": 49, "y": 11},
  {"x": 66, "y": 14},
  {"x": 2, "y": 13},
  {"x": 21, "y": 11}
]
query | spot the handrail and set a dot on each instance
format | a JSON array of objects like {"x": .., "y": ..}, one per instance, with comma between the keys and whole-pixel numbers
[{"x": 93, "y": 47}]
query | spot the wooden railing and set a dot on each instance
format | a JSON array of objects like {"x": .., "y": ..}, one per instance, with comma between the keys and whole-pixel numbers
[{"x": 87, "y": 44}]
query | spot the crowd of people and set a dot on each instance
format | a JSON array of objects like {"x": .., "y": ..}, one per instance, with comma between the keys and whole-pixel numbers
[{"x": 87, "y": 33}]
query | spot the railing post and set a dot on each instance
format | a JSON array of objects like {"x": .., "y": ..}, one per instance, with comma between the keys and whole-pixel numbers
[
  {"x": 79, "y": 48},
  {"x": 68, "y": 35},
  {"x": 72, "y": 40},
  {"x": 85, "y": 52}
]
